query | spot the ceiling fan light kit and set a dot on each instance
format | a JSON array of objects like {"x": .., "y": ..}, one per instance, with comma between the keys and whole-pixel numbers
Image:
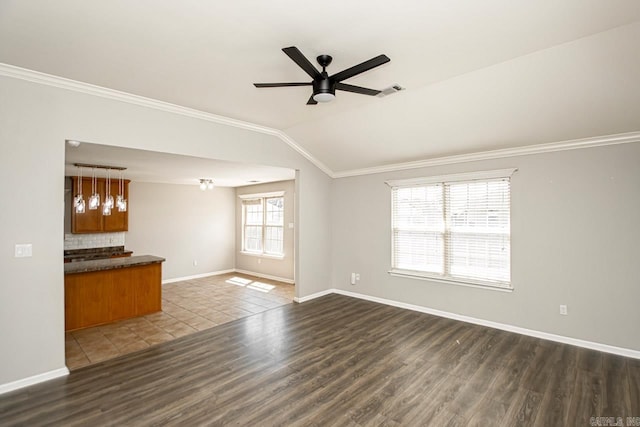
[{"x": 325, "y": 86}]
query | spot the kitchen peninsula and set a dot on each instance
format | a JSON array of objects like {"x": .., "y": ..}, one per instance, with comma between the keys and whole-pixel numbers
[{"x": 106, "y": 290}]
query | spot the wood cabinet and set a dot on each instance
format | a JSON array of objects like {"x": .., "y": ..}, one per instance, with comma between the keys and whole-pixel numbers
[
  {"x": 117, "y": 221},
  {"x": 100, "y": 297},
  {"x": 92, "y": 221}
]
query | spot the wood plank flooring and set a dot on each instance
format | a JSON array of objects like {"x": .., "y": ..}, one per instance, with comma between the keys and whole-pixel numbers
[{"x": 339, "y": 361}]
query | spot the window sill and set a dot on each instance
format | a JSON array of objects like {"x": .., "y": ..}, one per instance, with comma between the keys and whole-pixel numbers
[
  {"x": 424, "y": 276},
  {"x": 260, "y": 255}
]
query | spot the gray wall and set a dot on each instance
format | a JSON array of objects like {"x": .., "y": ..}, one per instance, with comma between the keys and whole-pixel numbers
[
  {"x": 182, "y": 223},
  {"x": 282, "y": 268},
  {"x": 35, "y": 120},
  {"x": 575, "y": 241}
]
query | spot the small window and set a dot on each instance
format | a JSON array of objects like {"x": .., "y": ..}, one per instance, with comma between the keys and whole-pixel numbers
[
  {"x": 454, "y": 228},
  {"x": 263, "y": 225}
]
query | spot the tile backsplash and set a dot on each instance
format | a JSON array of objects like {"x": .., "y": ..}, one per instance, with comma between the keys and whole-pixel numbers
[{"x": 98, "y": 240}]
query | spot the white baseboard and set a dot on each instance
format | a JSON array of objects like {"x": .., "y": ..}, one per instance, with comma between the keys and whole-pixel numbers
[
  {"x": 264, "y": 276},
  {"x": 606, "y": 348},
  {"x": 314, "y": 296},
  {"x": 231, "y": 270},
  {"x": 25, "y": 382},
  {"x": 197, "y": 276}
]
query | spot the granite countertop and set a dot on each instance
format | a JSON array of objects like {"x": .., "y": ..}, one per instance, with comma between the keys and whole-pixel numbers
[
  {"x": 94, "y": 253},
  {"x": 110, "y": 263}
]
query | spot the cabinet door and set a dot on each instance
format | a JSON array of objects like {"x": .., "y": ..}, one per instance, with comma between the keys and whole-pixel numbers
[
  {"x": 122, "y": 294},
  {"x": 118, "y": 221},
  {"x": 90, "y": 221},
  {"x": 87, "y": 302},
  {"x": 146, "y": 280}
]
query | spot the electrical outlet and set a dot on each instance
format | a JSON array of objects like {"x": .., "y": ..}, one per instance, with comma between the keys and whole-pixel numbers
[
  {"x": 563, "y": 310},
  {"x": 195, "y": 262}
]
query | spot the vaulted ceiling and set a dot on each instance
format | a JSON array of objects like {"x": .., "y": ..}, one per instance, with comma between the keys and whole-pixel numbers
[{"x": 479, "y": 75}]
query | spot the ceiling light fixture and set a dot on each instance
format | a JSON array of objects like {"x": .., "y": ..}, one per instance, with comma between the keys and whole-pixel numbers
[
  {"x": 94, "y": 200},
  {"x": 324, "y": 97},
  {"x": 206, "y": 184},
  {"x": 121, "y": 202},
  {"x": 78, "y": 200},
  {"x": 108, "y": 198}
]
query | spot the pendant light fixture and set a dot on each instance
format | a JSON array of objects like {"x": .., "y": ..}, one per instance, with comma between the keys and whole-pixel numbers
[
  {"x": 78, "y": 200},
  {"x": 108, "y": 198},
  {"x": 94, "y": 200},
  {"x": 121, "y": 202}
]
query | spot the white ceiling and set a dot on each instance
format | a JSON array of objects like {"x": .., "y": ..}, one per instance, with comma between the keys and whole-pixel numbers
[
  {"x": 479, "y": 74},
  {"x": 150, "y": 166}
]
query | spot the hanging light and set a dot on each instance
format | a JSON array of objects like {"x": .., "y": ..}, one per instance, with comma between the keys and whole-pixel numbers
[
  {"x": 94, "y": 199},
  {"x": 78, "y": 200},
  {"x": 108, "y": 198},
  {"x": 121, "y": 202}
]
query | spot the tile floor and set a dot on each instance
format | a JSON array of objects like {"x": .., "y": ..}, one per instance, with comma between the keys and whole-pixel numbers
[{"x": 187, "y": 307}]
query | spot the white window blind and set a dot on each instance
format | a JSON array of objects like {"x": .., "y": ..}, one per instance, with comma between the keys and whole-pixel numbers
[
  {"x": 453, "y": 230},
  {"x": 253, "y": 219},
  {"x": 263, "y": 225},
  {"x": 274, "y": 226}
]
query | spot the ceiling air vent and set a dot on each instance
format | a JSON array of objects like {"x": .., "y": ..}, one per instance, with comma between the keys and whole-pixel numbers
[{"x": 391, "y": 89}]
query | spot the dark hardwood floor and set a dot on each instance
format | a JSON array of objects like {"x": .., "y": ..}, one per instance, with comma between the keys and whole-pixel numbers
[{"x": 344, "y": 362}]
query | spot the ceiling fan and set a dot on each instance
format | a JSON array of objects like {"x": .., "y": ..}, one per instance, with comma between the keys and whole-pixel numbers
[{"x": 325, "y": 86}]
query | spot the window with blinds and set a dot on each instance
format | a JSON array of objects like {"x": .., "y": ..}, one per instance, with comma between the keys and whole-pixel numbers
[
  {"x": 263, "y": 225},
  {"x": 453, "y": 228}
]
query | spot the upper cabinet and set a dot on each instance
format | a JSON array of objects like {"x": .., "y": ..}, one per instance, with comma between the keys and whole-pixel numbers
[
  {"x": 92, "y": 220},
  {"x": 117, "y": 221}
]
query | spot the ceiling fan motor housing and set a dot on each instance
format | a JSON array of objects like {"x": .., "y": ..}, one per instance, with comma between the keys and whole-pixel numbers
[{"x": 324, "y": 86}]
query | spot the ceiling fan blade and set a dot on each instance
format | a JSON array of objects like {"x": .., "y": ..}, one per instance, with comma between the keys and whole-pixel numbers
[
  {"x": 360, "y": 68},
  {"x": 312, "y": 101},
  {"x": 297, "y": 57},
  {"x": 356, "y": 89},
  {"x": 280, "y": 84}
]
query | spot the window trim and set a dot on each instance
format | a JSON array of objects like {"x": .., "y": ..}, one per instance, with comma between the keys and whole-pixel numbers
[
  {"x": 263, "y": 197},
  {"x": 445, "y": 179},
  {"x": 441, "y": 179}
]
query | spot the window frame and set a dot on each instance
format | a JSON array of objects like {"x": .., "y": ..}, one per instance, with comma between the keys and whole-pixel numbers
[
  {"x": 443, "y": 180},
  {"x": 262, "y": 197}
]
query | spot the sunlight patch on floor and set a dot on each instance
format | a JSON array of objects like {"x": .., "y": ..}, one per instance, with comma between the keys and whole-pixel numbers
[
  {"x": 238, "y": 281},
  {"x": 250, "y": 284},
  {"x": 259, "y": 286}
]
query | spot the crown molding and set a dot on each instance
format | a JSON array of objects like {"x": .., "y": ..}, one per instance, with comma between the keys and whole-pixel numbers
[
  {"x": 89, "y": 89},
  {"x": 76, "y": 86},
  {"x": 574, "y": 144}
]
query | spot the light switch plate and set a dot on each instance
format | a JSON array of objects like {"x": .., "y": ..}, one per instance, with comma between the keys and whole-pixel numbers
[{"x": 24, "y": 250}]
